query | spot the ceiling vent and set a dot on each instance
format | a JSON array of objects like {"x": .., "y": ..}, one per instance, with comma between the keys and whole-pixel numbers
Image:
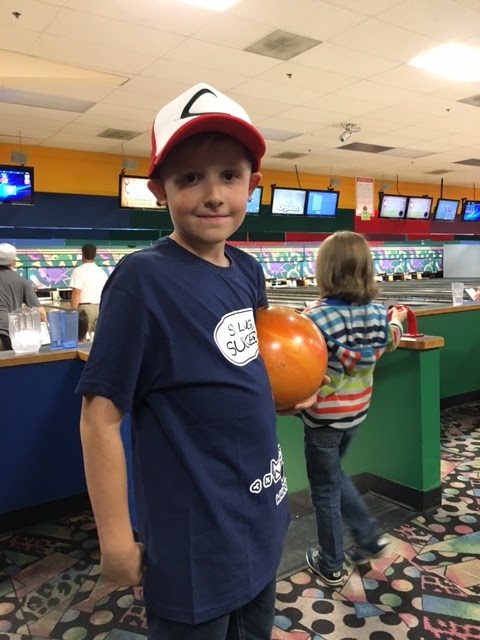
[
  {"x": 289, "y": 155},
  {"x": 282, "y": 45},
  {"x": 438, "y": 172},
  {"x": 366, "y": 148},
  {"x": 279, "y": 135},
  {"x": 402, "y": 152},
  {"x": 474, "y": 101},
  {"x": 119, "y": 134},
  {"x": 471, "y": 162}
]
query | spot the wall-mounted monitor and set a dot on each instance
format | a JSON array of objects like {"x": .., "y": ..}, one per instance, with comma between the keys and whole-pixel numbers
[
  {"x": 16, "y": 184},
  {"x": 418, "y": 207},
  {"x": 288, "y": 202},
  {"x": 321, "y": 203},
  {"x": 392, "y": 207},
  {"x": 446, "y": 209},
  {"x": 254, "y": 201},
  {"x": 471, "y": 211},
  {"x": 133, "y": 193}
]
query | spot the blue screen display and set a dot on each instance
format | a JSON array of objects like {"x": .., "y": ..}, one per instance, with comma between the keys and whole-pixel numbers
[
  {"x": 471, "y": 211},
  {"x": 253, "y": 204},
  {"x": 322, "y": 203},
  {"x": 446, "y": 209},
  {"x": 16, "y": 185}
]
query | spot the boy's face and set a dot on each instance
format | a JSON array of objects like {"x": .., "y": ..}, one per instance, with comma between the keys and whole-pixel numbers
[{"x": 206, "y": 182}]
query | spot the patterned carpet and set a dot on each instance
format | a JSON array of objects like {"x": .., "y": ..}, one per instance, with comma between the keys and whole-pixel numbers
[{"x": 426, "y": 587}]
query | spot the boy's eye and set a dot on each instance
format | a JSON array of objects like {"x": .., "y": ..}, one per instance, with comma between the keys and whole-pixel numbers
[
  {"x": 229, "y": 175},
  {"x": 190, "y": 178}
]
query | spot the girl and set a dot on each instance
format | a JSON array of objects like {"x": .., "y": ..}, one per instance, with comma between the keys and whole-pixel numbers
[{"x": 357, "y": 333}]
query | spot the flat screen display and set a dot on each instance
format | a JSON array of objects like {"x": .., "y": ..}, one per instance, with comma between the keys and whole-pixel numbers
[
  {"x": 393, "y": 207},
  {"x": 418, "y": 208},
  {"x": 471, "y": 211},
  {"x": 16, "y": 184},
  {"x": 133, "y": 193},
  {"x": 254, "y": 201},
  {"x": 322, "y": 203},
  {"x": 288, "y": 202},
  {"x": 446, "y": 209}
]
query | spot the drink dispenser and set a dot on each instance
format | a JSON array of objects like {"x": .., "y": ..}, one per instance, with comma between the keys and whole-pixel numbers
[{"x": 24, "y": 330}]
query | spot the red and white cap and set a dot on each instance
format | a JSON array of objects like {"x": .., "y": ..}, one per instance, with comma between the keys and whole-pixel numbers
[{"x": 203, "y": 109}]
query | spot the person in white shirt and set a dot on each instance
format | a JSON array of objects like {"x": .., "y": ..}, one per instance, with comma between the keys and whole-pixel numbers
[{"x": 87, "y": 282}]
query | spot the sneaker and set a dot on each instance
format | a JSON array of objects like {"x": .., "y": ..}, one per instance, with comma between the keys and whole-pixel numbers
[
  {"x": 361, "y": 555},
  {"x": 331, "y": 578}
]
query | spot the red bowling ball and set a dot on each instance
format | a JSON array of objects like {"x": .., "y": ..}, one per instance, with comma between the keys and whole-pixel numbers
[{"x": 294, "y": 352}]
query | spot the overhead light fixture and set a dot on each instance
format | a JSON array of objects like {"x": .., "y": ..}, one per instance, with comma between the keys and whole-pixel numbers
[
  {"x": 212, "y": 5},
  {"x": 457, "y": 62},
  {"x": 349, "y": 128}
]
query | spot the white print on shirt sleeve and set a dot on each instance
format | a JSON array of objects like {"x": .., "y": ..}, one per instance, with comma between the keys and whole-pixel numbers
[
  {"x": 236, "y": 337},
  {"x": 275, "y": 475}
]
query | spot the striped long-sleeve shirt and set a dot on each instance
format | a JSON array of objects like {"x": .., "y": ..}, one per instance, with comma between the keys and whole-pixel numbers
[{"x": 356, "y": 336}]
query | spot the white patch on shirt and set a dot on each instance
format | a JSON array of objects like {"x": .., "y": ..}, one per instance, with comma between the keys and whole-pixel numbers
[{"x": 236, "y": 337}]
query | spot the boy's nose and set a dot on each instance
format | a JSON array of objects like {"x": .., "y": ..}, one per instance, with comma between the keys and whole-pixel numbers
[{"x": 213, "y": 196}]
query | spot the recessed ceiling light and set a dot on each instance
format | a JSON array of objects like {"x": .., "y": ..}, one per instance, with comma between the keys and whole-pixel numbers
[
  {"x": 454, "y": 61},
  {"x": 212, "y": 5}
]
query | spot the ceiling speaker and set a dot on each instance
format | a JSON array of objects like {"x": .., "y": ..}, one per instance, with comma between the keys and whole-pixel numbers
[{"x": 18, "y": 157}]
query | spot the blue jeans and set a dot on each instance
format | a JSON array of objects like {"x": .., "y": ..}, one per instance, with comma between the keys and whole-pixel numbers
[
  {"x": 334, "y": 496},
  {"x": 253, "y": 621}
]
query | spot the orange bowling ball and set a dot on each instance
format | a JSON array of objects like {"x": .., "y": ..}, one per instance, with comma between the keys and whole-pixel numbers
[{"x": 294, "y": 352}]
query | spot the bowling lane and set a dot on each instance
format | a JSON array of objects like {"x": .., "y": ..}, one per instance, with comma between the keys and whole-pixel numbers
[{"x": 418, "y": 294}]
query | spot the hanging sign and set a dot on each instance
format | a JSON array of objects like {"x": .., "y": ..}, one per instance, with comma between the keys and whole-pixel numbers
[{"x": 364, "y": 188}]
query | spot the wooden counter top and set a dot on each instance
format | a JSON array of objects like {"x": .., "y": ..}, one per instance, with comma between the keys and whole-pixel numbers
[
  {"x": 469, "y": 306},
  {"x": 422, "y": 343},
  {"x": 10, "y": 359}
]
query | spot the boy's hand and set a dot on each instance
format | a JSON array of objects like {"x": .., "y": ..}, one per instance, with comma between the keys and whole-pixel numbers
[
  {"x": 124, "y": 569},
  {"x": 305, "y": 404},
  {"x": 398, "y": 314}
]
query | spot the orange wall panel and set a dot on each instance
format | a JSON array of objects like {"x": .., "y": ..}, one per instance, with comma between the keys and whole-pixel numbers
[{"x": 88, "y": 173}]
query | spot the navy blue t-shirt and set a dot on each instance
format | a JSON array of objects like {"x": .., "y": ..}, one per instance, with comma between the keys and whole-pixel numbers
[{"x": 176, "y": 345}]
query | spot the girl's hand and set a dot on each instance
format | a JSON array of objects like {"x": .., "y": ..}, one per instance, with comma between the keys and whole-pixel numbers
[
  {"x": 398, "y": 314},
  {"x": 305, "y": 404}
]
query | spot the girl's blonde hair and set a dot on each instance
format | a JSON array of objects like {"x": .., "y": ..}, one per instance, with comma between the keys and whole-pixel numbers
[{"x": 344, "y": 268}]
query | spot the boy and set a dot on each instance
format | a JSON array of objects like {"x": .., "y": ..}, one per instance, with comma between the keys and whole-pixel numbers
[
  {"x": 87, "y": 282},
  {"x": 176, "y": 345}
]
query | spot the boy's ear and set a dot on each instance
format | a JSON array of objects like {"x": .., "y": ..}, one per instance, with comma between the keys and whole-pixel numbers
[
  {"x": 255, "y": 179},
  {"x": 156, "y": 187}
]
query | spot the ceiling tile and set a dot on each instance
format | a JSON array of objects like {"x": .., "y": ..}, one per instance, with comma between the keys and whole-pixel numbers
[
  {"x": 373, "y": 91},
  {"x": 331, "y": 57},
  {"x": 387, "y": 40},
  {"x": 441, "y": 20},
  {"x": 78, "y": 26},
  {"x": 17, "y": 39},
  {"x": 113, "y": 60},
  {"x": 318, "y": 20},
  {"x": 275, "y": 91},
  {"x": 230, "y": 30},
  {"x": 34, "y": 15}
]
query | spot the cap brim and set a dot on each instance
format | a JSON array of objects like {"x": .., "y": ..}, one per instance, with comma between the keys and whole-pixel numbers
[{"x": 237, "y": 128}]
